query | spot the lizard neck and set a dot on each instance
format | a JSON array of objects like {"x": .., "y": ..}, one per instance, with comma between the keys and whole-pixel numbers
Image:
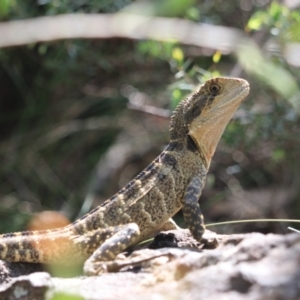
[{"x": 207, "y": 131}]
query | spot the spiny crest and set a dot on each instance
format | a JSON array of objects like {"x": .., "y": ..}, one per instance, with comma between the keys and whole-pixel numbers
[
  {"x": 176, "y": 122},
  {"x": 178, "y": 125}
]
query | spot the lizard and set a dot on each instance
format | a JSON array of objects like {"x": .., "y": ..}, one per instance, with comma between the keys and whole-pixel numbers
[{"x": 145, "y": 206}]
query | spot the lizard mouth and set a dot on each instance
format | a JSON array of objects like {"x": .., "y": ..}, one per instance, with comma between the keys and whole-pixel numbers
[{"x": 234, "y": 95}]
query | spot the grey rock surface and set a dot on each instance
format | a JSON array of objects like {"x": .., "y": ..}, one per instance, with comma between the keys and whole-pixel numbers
[{"x": 243, "y": 266}]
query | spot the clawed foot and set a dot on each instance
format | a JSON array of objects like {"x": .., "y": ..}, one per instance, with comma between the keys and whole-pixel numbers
[
  {"x": 98, "y": 268},
  {"x": 95, "y": 269},
  {"x": 137, "y": 258},
  {"x": 209, "y": 240}
]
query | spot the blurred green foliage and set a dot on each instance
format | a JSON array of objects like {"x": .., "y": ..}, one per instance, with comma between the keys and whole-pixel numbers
[
  {"x": 63, "y": 296},
  {"x": 61, "y": 104},
  {"x": 278, "y": 20}
]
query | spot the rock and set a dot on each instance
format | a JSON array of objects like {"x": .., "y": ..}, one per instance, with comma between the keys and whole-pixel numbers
[
  {"x": 243, "y": 266},
  {"x": 28, "y": 287}
]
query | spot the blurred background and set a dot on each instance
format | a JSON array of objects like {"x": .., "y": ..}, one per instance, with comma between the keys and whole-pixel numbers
[{"x": 81, "y": 117}]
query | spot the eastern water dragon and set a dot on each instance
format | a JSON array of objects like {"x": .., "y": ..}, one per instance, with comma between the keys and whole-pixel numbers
[{"x": 173, "y": 181}]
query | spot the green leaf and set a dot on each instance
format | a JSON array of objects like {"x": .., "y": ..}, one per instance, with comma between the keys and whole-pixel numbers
[
  {"x": 173, "y": 8},
  {"x": 275, "y": 75},
  {"x": 276, "y": 11},
  {"x": 217, "y": 56},
  {"x": 5, "y": 5},
  {"x": 166, "y": 8},
  {"x": 278, "y": 155},
  {"x": 295, "y": 15},
  {"x": 64, "y": 296},
  {"x": 293, "y": 33},
  {"x": 178, "y": 55},
  {"x": 193, "y": 14},
  {"x": 176, "y": 97},
  {"x": 257, "y": 20}
]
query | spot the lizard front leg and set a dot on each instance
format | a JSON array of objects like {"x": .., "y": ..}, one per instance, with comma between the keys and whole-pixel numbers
[
  {"x": 117, "y": 240},
  {"x": 191, "y": 208}
]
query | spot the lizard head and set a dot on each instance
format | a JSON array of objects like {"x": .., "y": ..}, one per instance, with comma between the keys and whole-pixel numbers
[{"x": 204, "y": 115}]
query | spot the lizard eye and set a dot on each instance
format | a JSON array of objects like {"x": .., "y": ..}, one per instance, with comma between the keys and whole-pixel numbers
[{"x": 214, "y": 88}]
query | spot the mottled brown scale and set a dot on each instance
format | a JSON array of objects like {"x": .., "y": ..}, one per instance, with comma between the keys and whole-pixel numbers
[{"x": 174, "y": 180}]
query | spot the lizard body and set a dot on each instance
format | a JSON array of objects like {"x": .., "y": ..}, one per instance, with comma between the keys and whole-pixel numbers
[{"x": 174, "y": 180}]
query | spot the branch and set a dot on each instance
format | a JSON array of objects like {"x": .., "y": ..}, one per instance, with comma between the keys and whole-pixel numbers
[{"x": 103, "y": 26}]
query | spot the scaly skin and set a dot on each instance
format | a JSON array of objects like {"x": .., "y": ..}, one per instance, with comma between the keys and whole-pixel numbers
[{"x": 174, "y": 180}]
